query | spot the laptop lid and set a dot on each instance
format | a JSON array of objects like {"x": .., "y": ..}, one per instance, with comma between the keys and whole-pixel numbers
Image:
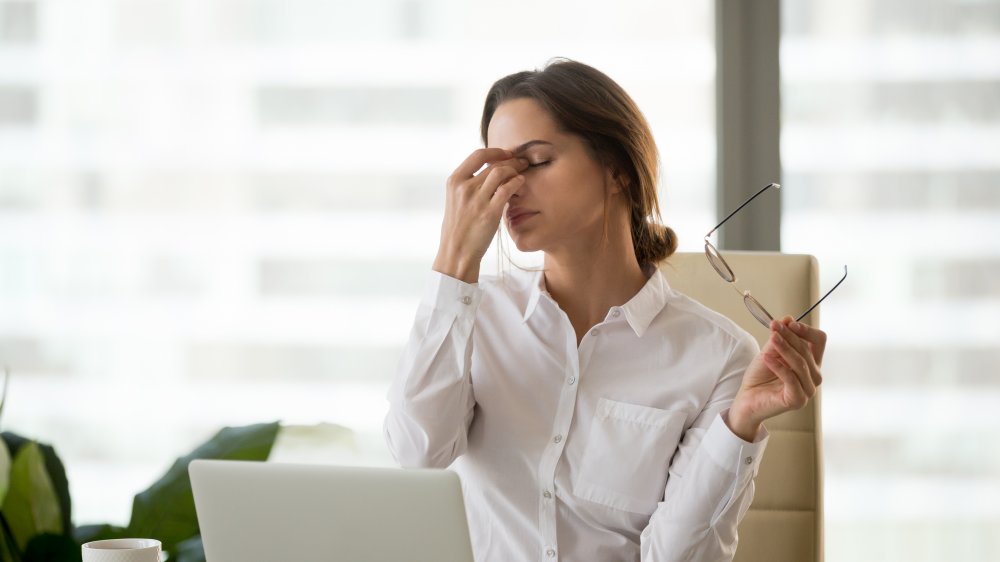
[{"x": 260, "y": 511}]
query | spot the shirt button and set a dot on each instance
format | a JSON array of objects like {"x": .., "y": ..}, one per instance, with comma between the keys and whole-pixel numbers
[
  {"x": 594, "y": 332},
  {"x": 616, "y": 313},
  {"x": 466, "y": 300},
  {"x": 748, "y": 460},
  {"x": 572, "y": 380},
  {"x": 550, "y": 553},
  {"x": 557, "y": 438},
  {"x": 547, "y": 494}
]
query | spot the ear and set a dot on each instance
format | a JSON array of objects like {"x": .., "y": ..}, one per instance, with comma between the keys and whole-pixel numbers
[{"x": 613, "y": 182}]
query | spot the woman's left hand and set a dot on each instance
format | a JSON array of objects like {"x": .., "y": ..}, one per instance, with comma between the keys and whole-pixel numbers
[{"x": 783, "y": 377}]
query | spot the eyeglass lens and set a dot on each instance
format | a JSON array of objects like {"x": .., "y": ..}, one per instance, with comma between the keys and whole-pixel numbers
[
  {"x": 758, "y": 310},
  {"x": 718, "y": 263}
]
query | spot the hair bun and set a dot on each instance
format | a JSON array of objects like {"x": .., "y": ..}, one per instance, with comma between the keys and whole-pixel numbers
[{"x": 655, "y": 242}]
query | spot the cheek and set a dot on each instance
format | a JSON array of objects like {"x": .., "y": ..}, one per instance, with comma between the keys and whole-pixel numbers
[
  {"x": 585, "y": 193},
  {"x": 570, "y": 189}
]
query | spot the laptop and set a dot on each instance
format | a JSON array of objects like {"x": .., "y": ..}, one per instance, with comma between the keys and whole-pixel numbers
[{"x": 261, "y": 511}]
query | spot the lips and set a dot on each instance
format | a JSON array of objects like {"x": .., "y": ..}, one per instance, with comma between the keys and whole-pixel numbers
[{"x": 516, "y": 216}]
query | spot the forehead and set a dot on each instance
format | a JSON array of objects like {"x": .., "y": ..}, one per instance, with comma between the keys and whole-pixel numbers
[{"x": 518, "y": 121}]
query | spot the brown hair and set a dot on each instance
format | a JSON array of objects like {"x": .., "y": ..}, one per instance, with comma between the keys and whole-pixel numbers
[{"x": 585, "y": 102}]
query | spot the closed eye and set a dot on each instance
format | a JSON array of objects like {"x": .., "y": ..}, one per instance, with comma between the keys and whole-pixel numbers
[{"x": 539, "y": 164}]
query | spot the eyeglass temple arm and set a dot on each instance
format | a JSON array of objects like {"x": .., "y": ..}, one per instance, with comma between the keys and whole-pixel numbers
[
  {"x": 745, "y": 203},
  {"x": 806, "y": 313}
]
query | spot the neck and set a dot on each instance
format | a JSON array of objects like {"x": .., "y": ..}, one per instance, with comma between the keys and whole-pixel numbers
[{"x": 588, "y": 281}]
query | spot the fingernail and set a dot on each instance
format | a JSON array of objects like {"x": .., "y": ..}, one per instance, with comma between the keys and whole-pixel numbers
[
  {"x": 796, "y": 326},
  {"x": 523, "y": 161}
]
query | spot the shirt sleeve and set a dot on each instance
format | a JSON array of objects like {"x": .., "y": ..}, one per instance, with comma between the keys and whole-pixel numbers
[
  {"x": 710, "y": 481},
  {"x": 431, "y": 401}
]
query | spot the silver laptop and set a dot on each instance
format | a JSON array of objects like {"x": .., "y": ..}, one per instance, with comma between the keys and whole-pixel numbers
[{"x": 258, "y": 511}]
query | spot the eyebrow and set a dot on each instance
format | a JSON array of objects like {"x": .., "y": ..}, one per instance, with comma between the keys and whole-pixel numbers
[{"x": 529, "y": 144}]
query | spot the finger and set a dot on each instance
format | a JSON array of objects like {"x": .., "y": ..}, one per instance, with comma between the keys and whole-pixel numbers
[
  {"x": 494, "y": 179},
  {"x": 792, "y": 356},
  {"x": 790, "y": 382},
  {"x": 798, "y": 364},
  {"x": 518, "y": 164},
  {"x": 475, "y": 161},
  {"x": 785, "y": 374},
  {"x": 804, "y": 349},
  {"x": 815, "y": 337},
  {"x": 503, "y": 194},
  {"x": 777, "y": 324},
  {"x": 815, "y": 341},
  {"x": 795, "y": 397}
]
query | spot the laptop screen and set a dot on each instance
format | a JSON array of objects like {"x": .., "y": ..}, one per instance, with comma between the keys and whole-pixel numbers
[{"x": 263, "y": 511}]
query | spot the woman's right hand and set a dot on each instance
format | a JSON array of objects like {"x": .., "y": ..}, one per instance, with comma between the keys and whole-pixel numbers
[{"x": 474, "y": 205}]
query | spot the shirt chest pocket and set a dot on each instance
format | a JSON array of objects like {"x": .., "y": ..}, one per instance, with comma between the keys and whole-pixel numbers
[{"x": 627, "y": 454}]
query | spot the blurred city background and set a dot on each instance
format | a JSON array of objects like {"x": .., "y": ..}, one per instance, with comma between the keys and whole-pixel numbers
[{"x": 223, "y": 212}]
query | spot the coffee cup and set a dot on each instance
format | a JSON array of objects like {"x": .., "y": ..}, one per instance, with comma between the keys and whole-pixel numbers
[{"x": 122, "y": 550}]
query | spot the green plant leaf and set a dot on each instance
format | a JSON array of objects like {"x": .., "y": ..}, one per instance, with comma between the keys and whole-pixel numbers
[
  {"x": 57, "y": 473},
  {"x": 7, "y": 550},
  {"x": 14, "y": 442},
  {"x": 31, "y": 506},
  {"x": 52, "y": 548},
  {"x": 86, "y": 533},
  {"x": 165, "y": 511},
  {"x": 4, "y": 470}
]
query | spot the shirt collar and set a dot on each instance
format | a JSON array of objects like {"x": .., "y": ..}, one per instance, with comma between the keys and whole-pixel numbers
[
  {"x": 537, "y": 288},
  {"x": 647, "y": 303},
  {"x": 639, "y": 310}
]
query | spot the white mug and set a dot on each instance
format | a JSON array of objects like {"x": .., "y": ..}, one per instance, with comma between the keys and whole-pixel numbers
[{"x": 122, "y": 550}]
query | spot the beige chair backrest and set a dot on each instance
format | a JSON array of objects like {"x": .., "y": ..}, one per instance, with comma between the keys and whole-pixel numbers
[{"x": 785, "y": 521}]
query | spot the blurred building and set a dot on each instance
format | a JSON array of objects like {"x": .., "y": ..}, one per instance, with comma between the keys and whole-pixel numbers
[
  {"x": 891, "y": 157},
  {"x": 219, "y": 213}
]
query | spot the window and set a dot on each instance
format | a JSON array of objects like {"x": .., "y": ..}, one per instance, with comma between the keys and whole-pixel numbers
[
  {"x": 891, "y": 119},
  {"x": 18, "y": 21},
  {"x": 222, "y": 213}
]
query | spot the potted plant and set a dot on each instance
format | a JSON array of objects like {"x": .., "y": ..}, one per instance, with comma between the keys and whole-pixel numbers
[{"x": 35, "y": 505}]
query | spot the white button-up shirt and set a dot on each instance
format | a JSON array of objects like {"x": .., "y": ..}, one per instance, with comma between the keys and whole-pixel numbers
[{"x": 615, "y": 449}]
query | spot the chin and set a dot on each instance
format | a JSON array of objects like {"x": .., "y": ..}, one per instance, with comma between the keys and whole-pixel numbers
[{"x": 525, "y": 243}]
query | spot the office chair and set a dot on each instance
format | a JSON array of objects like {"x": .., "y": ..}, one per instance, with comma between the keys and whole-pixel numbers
[{"x": 785, "y": 521}]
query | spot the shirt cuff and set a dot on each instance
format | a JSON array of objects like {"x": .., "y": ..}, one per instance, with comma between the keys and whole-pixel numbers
[
  {"x": 729, "y": 451},
  {"x": 445, "y": 293}
]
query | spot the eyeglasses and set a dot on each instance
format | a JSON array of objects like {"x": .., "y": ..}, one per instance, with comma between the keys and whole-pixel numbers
[{"x": 726, "y": 272}]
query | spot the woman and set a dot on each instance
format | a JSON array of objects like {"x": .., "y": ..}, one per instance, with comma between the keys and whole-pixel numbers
[{"x": 592, "y": 412}]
